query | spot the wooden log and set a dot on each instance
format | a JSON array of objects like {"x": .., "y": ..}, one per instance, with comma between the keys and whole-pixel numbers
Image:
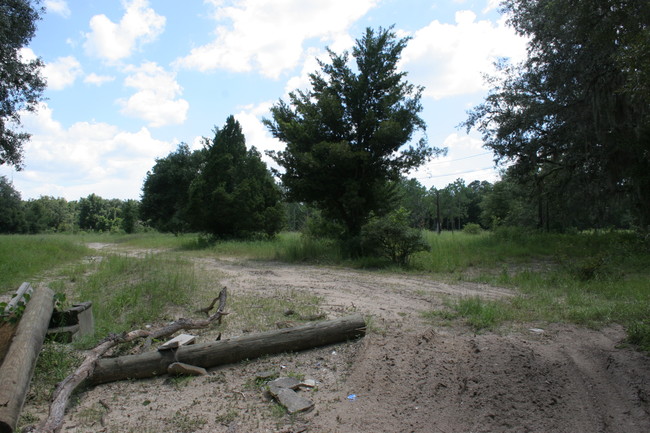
[
  {"x": 232, "y": 350},
  {"x": 18, "y": 366}
]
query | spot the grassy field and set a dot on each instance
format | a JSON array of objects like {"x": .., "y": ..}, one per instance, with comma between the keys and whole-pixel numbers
[
  {"x": 25, "y": 258},
  {"x": 591, "y": 279}
]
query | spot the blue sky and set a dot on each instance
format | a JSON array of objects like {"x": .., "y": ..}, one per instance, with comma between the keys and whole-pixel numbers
[{"x": 129, "y": 80}]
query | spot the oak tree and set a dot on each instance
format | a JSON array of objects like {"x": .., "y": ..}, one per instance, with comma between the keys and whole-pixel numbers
[
  {"x": 575, "y": 115},
  {"x": 21, "y": 84}
]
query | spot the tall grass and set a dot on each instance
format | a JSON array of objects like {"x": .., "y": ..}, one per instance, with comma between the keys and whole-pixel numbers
[
  {"x": 26, "y": 257},
  {"x": 591, "y": 279},
  {"x": 129, "y": 292}
]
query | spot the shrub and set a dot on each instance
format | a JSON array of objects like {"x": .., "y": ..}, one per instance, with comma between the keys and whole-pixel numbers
[
  {"x": 392, "y": 237},
  {"x": 472, "y": 229}
]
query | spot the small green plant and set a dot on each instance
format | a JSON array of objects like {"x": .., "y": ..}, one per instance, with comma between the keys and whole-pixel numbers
[
  {"x": 639, "y": 334},
  {"x": 226, "y": 418},
  {"x": 478, "y": 313},
  {"x": 14, "y": 313},
  {"x": 277, "y": 410}
]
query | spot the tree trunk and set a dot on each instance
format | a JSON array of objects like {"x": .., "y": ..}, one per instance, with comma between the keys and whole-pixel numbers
[
  {"x": 438, "y": 211},
  {"x": 232, "y": 350},
  {"x": 18, "y": 366}
]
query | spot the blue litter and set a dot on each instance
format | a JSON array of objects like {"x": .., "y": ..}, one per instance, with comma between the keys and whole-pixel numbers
[{"x": 352, "y": 397}]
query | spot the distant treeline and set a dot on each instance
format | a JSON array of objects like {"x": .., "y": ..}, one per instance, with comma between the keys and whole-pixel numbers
[{"x": 489, "y": 205}]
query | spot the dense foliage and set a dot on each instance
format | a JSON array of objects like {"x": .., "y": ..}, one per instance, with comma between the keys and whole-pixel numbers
[
  {"x": 346, "y": 136},
  {"x": 21, "y": 85},
  {"x": 165, "y": 192},
  {"x": 574, "y": 118},
  {"x": 12, "y": 215},
  {"x": 234, "y": 194}
]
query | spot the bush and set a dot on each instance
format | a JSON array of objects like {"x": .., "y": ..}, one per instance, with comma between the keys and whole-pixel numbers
[
  {"x": 472, "y": 229},
  {"x": 392, "y": 237}
]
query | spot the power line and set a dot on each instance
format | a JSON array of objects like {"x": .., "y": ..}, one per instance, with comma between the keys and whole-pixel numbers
[
  {"x": 455, "y": 174},
  {"x": 459, "y": 159}
]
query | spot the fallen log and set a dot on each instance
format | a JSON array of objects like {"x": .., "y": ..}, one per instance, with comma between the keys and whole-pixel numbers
[
  {"x": 18, "y": 366},
  {"x": 64, "y": 389},
  {"x": 232, "y": 350}
]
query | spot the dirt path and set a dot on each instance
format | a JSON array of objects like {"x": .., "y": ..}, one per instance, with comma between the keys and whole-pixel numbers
[{"x": 407, "y": 375}]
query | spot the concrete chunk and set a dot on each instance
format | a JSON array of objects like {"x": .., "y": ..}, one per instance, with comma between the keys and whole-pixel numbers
[{"x": 292, "y": 401}]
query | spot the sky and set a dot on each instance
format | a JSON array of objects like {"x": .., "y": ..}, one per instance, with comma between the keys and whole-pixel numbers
[{"x": 129, "y": 80}]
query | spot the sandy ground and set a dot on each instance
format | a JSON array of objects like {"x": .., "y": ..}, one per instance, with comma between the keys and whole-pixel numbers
[{"x": 407, "y": 374}]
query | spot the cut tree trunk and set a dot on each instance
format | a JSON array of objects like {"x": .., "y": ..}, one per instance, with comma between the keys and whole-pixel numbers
[
  {"x": 232, "y": 350},
  {"x": 18, "y": 366}
]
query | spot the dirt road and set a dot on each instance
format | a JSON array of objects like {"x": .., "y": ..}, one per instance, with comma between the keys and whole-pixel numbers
[{"x": 406, "y": 375}]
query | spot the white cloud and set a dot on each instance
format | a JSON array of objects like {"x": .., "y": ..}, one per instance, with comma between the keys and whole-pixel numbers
[
  {"x": 98, "y": 80},
  {"x": 267, "y": 36},
  {"x": 450, "y": 59},
  {"x": 62, "y": 72},
  {"x": 113, "y": 41},
  {"x": 250, "y": 118},
  {"x": 87, "y": 157},
  {"x": 26, "y": 55},
  {"x": 492, "y": 5},
  {"x": 156, "y": 99},
  {"x": 309, "y": 66},
  {"x": 59, "y": 7}
]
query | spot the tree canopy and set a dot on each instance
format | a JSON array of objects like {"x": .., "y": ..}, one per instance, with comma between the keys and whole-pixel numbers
[
  {"x": 165, "y": 192},
  {"x": 234, "y": 194},
  {"x": 574, "y": 117},
  {"x": 346, "y": 138},
  {"x": 21, "y": 85}
]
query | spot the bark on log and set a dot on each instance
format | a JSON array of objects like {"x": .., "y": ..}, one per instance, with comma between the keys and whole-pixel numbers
[
  {"x": 232, "y": 350},
  {"x": 18, "y": 366}
]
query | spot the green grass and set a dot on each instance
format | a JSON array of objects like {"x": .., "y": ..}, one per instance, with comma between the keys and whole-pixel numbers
[
  {"x": 129, "y": 292},
  {"x": 26, "y": 257},
  {"x": 590, "y": 279},
  {"x": 55, "y": 362},
  {"x": 478, "y": 313}
]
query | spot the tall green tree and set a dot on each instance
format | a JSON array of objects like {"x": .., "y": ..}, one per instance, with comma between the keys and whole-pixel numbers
[
  {"x": 12, "y": 213},
  {"x": 234, "y": 194},
  {"x": 165, "y": 191},
  {"x": 574, "y": 117},
  {"x": 475, "y": 192},
  {"x": 347, "y": 137},
  {"x": 21, "y": 84},
  {"x": 130, "y": 211}
]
